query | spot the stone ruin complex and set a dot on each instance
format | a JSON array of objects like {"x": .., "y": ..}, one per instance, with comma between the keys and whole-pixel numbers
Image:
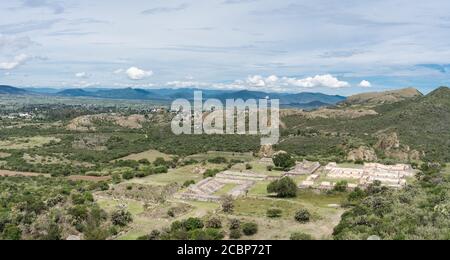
[
  {"x": 304, "y": 168},
  {"x": 206, "y": 189},
  {"x": 393, "y": 176}
]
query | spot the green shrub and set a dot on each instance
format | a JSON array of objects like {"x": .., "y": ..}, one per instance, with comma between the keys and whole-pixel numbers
[
  {"x": 301, "y": 236},
  {"x": 121, "y": 217},
  {"x": 227, "y": 204},
  {"x": 188, "y": 183},
  {"x": 214, "y": 234},
  {"x": 213, "y": 222},
  {"x": 341, "y": 186},
  {"x": 235, "y": 234},
  {"x": 128, "y": 175},
  {"x": 302, "y": 216},
  {"x": 274, "y": 213},
  {"x": 161, "y": 169},
  {"x": 160, "y": 162},
  {"x": 192, "y": 224},
  {"x": 218, "y": 160},
  {"x": 171, "y": 213},
  {"x": 284, "y": 188},
  {"x": 249, "y": 229},
  {"x": 210, "y": 173},
  {"x": 283, "y": 160},
  {"x": 235, "y": 224}
]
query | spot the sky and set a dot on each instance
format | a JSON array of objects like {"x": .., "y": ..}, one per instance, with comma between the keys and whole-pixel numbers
[{"x": 335, "y": 47}]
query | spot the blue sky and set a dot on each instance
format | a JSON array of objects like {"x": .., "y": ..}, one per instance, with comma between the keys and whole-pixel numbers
[{"x": 338, "y": 47}]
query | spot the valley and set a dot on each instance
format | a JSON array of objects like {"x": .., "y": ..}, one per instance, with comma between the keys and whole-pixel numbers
[{"x": 101, "y": 168}]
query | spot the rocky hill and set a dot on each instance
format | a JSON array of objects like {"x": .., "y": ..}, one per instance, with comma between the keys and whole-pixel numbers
[
  {"x": 378, "y": 98},
  {"x": 417, "y": 127}
]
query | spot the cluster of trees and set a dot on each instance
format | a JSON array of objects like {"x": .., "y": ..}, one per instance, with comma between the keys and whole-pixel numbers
[
  {"x": 190, "y": 229},
  {"x": 51, "y": 209},
  {"x": 284, "y": 161}
]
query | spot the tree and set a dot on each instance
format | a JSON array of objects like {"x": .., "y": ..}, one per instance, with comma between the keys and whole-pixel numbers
[
  {"x": 302, "y": 216},
  {"x": 235, "y": 224},
  {"x": 250, "y": 229},
  {"x": 121, "y": 217},
  {"x": 341, "y": 186},
  {"x": 160, "y": 162},
  {"x": 283, "y": 160},
  {"x": 214, "y": 222},
  {"x": 284, "y": 188},
  {"x": 228, "y": 204},
  {"x": 192, "y": 224}
]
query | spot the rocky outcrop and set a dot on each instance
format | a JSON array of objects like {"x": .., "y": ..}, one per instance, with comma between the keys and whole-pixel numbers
[
  {"x": 363, "y": 153},
  {"x": 90, "y": 122},
  {"x": 388, "y": 141},
  {"x": 266, "y": 151}
]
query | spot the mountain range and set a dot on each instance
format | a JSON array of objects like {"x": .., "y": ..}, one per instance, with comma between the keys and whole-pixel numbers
[{"x": 300, "y": 100}]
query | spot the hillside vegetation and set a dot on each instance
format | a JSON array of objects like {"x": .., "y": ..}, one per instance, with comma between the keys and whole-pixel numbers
[{"x": 421, "y": 123}]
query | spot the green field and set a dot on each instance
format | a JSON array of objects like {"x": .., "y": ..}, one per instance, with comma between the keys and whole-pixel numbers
[
  {"x": 225, "y": 190},
  {"x": 27, "y": 143},
  {"x": 150, "y": 155}
]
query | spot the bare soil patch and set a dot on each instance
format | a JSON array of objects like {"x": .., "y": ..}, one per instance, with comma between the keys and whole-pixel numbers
[{"x": 5, "y": 173}]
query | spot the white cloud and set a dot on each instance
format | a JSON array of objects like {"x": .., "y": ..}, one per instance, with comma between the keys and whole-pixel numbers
[
  {"x": 135, "y": 73},
  {"x": 16, "y": 61},
  {"x": 83, "y": 75},
  {"x": 285, "y": 83},
  {"x": 327, "y": 81},
  {"x": 365, "y": 84},
  {"x": 271, "y": 83}
]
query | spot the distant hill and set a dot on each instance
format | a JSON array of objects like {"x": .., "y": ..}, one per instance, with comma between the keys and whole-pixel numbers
[
  {"x": 300, "y": 100},
  {"x": 8, "y": 90},
  {"x": 388, "y": 97},
  {"x": 42, "y": 90},
  {"x": 74, "y": 93}
]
